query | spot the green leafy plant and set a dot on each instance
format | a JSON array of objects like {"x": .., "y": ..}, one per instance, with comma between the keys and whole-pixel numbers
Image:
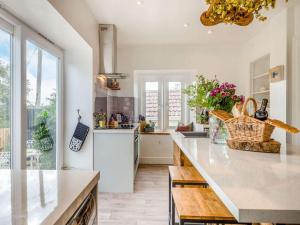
[
  {"x": 197, "y": 94},
  {"x": 211, "y": 95},
  {"x": 41, "y": 135},
  {"x": 199, "y": 91}
]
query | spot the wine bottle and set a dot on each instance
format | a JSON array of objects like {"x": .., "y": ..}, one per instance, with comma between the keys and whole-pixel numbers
[{"x": 262, "y": 113}]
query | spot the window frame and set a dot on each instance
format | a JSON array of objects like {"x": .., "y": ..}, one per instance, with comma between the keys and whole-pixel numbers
[
  {"x": 166, "y": 99},
  {"x": 9, "y": 28},
  {"x": 163, "y": 77},
  {"x": 160, "y": 97},
  {"x": 22, "y": 33}
]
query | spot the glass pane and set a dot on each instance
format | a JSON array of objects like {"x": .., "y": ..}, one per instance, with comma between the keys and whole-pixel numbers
[
  {"x": 5, "y": 98},
  {"x": 152, "y": 102},
  {"x": 42, "y": 72},
  {"x": 174, "y": 99}
]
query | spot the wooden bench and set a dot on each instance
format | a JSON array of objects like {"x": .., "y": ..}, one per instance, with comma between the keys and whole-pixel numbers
[
  {"x": 199, "y": 205},
  {"x": 184, "y": 176}
]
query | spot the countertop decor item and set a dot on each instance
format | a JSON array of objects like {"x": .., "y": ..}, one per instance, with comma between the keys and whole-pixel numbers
[
  {"x": 249, "y": 129},
  {"x": 100, "y": 119},
  {"x": 149, "y": 127},
  {"x": 213, "y": 95},
  {"x": 239, "y": 12},
  {"x": 221, "y": 97}
]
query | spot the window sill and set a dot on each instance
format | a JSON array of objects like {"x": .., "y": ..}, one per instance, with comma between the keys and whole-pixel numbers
[{"x": 156, "y": 133}]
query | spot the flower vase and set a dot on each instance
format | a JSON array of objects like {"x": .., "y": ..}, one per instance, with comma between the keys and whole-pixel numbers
[{"x": 217, "y": 131}]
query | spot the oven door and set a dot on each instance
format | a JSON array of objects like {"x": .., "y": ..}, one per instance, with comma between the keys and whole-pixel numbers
[{"x": 136, "y": 148}]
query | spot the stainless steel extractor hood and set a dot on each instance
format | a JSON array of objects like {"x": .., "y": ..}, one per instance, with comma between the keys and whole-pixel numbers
[{"x": 108, "y": 52}]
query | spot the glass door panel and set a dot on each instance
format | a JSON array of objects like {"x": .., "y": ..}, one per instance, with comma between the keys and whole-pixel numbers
[
  {"x": 41, "y": 76},
  {"x": 152, "y": 102},
  {"x": 174, "y": 104},
  {"x": 5, "y": 98}
]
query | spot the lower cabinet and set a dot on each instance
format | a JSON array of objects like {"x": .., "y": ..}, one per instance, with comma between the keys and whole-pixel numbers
[{"x": 179, "y": 158}]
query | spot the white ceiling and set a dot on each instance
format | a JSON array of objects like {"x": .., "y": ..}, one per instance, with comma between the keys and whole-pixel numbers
[{"x": 161, "y": 22}]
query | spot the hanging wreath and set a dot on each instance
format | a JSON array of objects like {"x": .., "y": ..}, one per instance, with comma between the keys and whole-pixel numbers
[{"x": 239, "y": 12}]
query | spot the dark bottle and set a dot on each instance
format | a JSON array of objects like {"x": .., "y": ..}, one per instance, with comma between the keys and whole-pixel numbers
[{"x": 262, "y": 113}]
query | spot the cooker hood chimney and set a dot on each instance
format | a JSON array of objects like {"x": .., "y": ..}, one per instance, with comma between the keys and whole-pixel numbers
[{"x": 108, "y": 52}]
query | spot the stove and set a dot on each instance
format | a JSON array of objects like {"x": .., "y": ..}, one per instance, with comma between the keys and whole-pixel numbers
[{"x": 126, "y": 126}]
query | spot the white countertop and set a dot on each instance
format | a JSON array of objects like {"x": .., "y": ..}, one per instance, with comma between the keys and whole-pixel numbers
[
  {"x": 256, "y": 187},
  {"x": 41, "y": 197},
  {"x": 116, "y": 131}
]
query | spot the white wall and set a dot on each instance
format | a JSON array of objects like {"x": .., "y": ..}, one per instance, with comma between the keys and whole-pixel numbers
[
  {"x": 78, "y": 60},
  {"x": 222, "y": 61},
  {"x": 294, "y": 68},
  {"x": 79, "y": 79},
  {"x": 208, "y": 60},
  {"x": 272, "y": 40}
]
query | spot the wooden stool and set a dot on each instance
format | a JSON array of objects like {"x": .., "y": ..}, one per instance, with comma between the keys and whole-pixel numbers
[
  {"x": 199, "y": 205},
  {"x": 183, "y": 175}
]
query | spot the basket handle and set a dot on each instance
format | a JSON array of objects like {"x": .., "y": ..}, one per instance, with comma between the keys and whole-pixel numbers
[{"x": 244, "y": 109}]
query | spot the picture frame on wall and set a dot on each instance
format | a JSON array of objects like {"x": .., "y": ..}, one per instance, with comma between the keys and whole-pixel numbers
[{"x": 276, "y": 73}]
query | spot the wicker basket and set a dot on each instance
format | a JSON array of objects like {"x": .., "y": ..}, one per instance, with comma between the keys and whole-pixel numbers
[{"x": 248, "y": 129}]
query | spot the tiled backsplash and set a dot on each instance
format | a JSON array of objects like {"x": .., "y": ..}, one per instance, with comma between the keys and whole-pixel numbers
[
  {"x": 113, "y": 104},
  {"x": 100, "y": 104}
]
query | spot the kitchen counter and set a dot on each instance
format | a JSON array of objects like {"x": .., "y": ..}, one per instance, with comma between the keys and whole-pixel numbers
[
  {"x": 256, "y": 187},
  {"x": 116, "y": 130},
  {"x": 43, "y": 196},
  {"x": 116, "y": 155}
]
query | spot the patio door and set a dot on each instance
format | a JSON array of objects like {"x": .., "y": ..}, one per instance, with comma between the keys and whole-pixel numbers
[
  {"x": 42, "y": 75},
  {"x": 6, "y": 35}
]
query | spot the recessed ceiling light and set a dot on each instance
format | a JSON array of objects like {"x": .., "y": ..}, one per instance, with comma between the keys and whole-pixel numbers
[
  {"x": 139, "y": 2},
  {"x": 186, "y": 25},
  {"x": 210, "y": 31}
]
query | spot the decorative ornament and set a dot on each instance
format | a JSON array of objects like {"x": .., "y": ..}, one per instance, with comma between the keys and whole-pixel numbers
[{"x": 239, "y": 12}]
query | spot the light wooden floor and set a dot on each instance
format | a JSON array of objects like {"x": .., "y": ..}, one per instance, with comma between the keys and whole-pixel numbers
[{"x": 148, "y": 205}]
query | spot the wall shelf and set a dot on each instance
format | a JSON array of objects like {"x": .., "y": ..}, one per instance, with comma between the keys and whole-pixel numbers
[
  {"x": 261, "y": 75},
  {"x": 259, "y": 78},
  {"x": 261, "y": 92}
]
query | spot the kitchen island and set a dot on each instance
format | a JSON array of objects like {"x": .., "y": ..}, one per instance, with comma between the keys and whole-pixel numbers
[
  {"x": 45, "y": 196},
  {"x": 255, "y": 187}
]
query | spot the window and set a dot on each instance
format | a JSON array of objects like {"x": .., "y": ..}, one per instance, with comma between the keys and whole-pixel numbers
[
  {"x": 5, "y": 94},
  {"x": 30, "y": 97},
  {"x": 174, "y": 103},
  {"x": 152, "y": 102},
  {"x": 162, "y": 100},
  {"x": 41, "y": 76}
]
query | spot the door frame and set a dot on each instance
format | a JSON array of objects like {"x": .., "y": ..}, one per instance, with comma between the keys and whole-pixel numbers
[{"x": 22, "y": 33}]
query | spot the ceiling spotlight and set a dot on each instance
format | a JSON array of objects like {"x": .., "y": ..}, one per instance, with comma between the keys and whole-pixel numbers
[
  {"x": 139, "y": 2},
  {"x": 210, "y": 31},
  {"x": 186, "y": 25}
]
